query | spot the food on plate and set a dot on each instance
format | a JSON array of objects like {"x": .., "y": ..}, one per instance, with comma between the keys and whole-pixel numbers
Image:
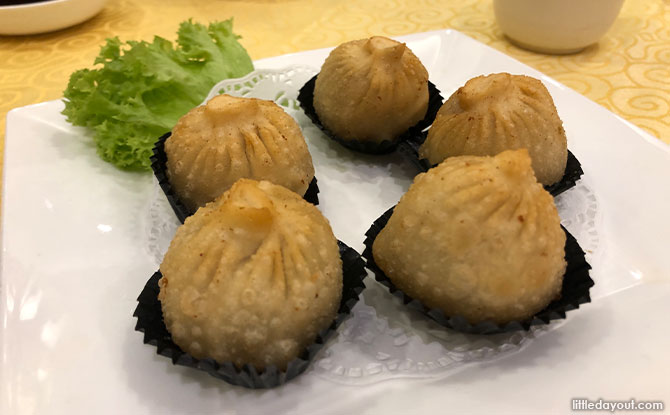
[
  {"x": 252, "y": 277},
  {"x": 230, "y": 138},
  {"x": 498, "y": 112},
  {"x": 371, "y": 90},
  {"x": 477, "y": 237},
  {"x": 140, "y": 89}
]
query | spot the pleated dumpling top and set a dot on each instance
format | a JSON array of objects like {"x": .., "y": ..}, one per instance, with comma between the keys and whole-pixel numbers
[
  {"x": 500, "y": 112},
  {"x": 371, "y": 90},
  {"x": 477, "y": 237},
  {"x": 252, "y": 277},
  {"x": 230, "y": 138}
]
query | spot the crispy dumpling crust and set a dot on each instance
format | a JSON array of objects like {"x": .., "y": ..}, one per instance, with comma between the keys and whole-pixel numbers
[
  {"x": 252, "y": 277},
  {"x": 500, "y": 112},
  {"x": 230, "y": 138},
  {"x": 371, "y": 90},
  {"x": 477, "y": 237}
]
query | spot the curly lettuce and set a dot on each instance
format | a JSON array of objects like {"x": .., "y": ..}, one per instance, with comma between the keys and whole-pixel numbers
[{"x": 141, "y": 89}]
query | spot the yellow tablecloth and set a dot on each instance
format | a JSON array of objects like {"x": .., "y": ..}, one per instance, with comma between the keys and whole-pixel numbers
[{"x": 628, "y": 71}]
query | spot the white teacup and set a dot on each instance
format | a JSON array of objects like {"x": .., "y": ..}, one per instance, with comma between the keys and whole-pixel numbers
[{"x": 555, "y": 26}]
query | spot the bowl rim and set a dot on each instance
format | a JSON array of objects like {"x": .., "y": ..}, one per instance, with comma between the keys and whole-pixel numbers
[{"x": 38, "y": 3}]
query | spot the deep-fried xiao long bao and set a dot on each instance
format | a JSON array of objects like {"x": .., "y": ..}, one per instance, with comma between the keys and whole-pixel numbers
[
  {"x": 231, "y": 138},
  {"x": 500, "y": 112},
  {"x": 252, "y": 277},
  {"x": 477, "y": 237},
  {"x": 371, "y": 90}
]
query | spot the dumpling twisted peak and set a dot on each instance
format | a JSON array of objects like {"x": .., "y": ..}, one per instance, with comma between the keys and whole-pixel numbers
[
  {"x": 498, "y": 112},
  {"x": 230, "y": 138},
  {"x": 252, "y": 277},
  {"x": 371, "y": 90},
  {"x": 477, "y": 237}
]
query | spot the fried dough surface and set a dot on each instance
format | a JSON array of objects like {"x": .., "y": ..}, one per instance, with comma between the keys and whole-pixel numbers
[
  {"x": 231, "y": 138},
  {"x": 251, "y": 277},
  {"x": 499, "y": 112},
  {"x": 477, "y": 237},
  {"x": 371, "y": 90}
]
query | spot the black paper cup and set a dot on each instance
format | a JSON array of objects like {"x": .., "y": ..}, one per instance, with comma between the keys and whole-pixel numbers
[
  {"x": 159, "y": 166},
  {"x": 306, "y": 99},
  {"x": 575, "y": 290},
  {"x": 409, "y": 148},
  {"x": 150, "y": 322}
]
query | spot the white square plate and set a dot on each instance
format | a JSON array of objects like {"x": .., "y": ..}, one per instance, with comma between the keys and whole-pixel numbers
[{"x": 75, "y": 257}]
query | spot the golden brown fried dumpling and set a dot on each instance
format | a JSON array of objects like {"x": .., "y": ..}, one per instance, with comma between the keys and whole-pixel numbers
[
  {"x": 371, "y": 90},
  {"x": 477, "y": 237},
  {"x": 252, "y": 277},
  {"x": 230, "y": 138},
  {"x": 500, "y": 112}
]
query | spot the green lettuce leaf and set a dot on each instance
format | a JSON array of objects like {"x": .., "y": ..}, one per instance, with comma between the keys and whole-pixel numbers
[{"x": 139, "y": 90}]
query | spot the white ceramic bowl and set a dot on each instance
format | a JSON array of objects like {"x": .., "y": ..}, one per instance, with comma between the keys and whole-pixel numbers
[
  {"x": 555, "y": 26},
  {"x": 46, "y": 16}
]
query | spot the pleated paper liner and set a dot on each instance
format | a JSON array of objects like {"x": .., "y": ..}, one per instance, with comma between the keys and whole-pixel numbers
[
  {"x": 410, "y": 149},
  {"x": 159, "y": 166},
  {"x": 575, "y": 290},
  {"x": 150, "y": 322},
  {"x": 306, "y": 99}
]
